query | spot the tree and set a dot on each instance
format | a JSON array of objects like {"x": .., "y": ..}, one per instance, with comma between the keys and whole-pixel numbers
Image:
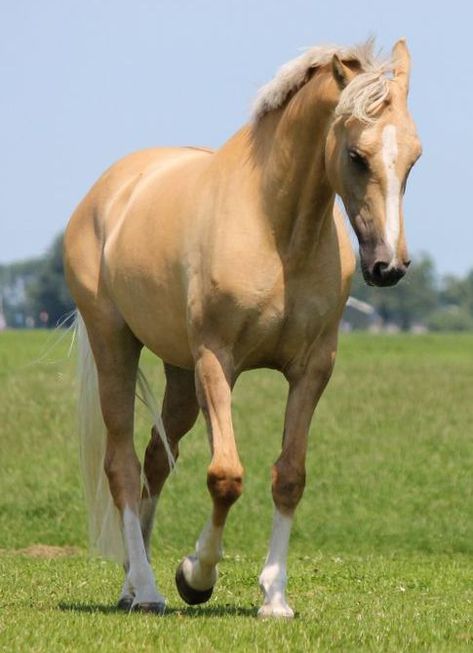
[
  {"x": 49, "y": 296},
  {"x": 458, "y": 292},
  {"x": 450, "y": 318},
  {"x": 411, "y": 300}
]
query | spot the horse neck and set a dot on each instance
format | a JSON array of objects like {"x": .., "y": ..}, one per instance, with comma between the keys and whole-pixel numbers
[{"x": 289, "y": 146}]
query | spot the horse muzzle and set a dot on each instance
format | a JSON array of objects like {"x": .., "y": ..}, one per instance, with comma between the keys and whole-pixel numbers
[{"x": 380, "y": 270}]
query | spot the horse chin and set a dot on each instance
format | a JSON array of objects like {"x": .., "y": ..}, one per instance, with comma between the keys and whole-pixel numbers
[{"x": 381, "y": 284}]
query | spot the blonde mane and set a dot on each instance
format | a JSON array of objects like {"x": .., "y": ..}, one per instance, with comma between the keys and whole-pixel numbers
[{"x": 363, "y": 96}]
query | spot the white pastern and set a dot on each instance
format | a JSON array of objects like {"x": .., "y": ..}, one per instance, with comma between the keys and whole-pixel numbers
[
  {"x": 393, "y": 189},
  {"x": 200, "y": 570},
  {"x": 273, "y": 577},
  {"x": 147, "y": 513},
  {"x": 140, "y": 578},
  {"x": 127, "y": 592}
]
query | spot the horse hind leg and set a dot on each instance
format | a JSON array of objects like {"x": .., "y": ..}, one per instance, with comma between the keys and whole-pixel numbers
[
  {"x": 196, "y": 575},
  {"x": 179, "y": 413},
  {"x": 116, "y": 352}
]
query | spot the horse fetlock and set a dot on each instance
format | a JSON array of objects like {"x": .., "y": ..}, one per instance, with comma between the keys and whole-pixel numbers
[
  {"x": 273, "y": 584},
  {"x": 207, "y": 557},
  {"x": 141, "y": 577},
  {"x": 288, "y": 486},
  {"x": 127, "y": 595},
  {"x": 144, "y": 589},
  {"x": 199, "y": 574},
  {"x": 225, "y": 487},
  {"x": 273, "y": 580}
]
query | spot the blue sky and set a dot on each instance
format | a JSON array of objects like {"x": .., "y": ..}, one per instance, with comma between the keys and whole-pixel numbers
[{"x": 83, "y": 83}]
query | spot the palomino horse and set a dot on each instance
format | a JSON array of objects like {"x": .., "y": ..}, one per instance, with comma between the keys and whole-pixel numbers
[{"x": 225, "y": 261}]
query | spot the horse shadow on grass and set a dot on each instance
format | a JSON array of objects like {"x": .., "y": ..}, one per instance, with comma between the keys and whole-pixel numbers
[{"x": 195, "y": 613}]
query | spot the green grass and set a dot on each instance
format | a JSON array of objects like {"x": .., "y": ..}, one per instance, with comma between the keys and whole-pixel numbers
[{"x": 381, "y": 552}]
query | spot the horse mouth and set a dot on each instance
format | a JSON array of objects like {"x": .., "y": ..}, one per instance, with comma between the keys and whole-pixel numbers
[{"x": 382, "y": 275}]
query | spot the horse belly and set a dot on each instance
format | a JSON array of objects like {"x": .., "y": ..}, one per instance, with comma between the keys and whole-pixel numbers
[{"x": 157, "y": 321}]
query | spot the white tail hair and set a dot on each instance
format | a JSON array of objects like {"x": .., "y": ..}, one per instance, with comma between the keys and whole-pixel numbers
[{"x": 105, "y": 528}]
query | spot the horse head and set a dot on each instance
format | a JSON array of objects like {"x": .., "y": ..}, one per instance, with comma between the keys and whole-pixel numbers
[{"x": 371, "y": 148}]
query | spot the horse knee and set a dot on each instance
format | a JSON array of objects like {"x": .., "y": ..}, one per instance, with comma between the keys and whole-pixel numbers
[
  {"x": 225, "y": 484},
  {"x": 287, "y": 486}
]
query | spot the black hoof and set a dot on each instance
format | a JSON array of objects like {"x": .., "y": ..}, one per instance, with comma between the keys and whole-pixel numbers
[
  {"x": 125, "y": 603},
  {"x": 188, "y": 593},
  {"x": 151, "y": 608}
]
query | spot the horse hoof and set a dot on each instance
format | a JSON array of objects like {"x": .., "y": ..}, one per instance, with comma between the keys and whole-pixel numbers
[
  {"x": 188, "y": 593},
  {"x": 150, "y": 608},
  {"x": 275, "y": 612},
  {"x": 125, "y": 603}
]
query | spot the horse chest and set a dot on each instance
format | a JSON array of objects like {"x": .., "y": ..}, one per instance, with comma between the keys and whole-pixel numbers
[
  {"x": 307, "y": 315},
  {"x": 268, "y": 324}
]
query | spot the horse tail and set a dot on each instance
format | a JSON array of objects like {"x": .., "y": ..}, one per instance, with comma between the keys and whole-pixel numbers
[{"x": 105, "y": 536}]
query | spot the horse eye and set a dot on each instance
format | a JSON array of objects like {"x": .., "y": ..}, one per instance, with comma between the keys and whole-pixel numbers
[{"x": 358, "y": 159}]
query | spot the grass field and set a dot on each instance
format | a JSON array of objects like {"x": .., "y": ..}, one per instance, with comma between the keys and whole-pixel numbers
[{"x": 381, "y": 556}]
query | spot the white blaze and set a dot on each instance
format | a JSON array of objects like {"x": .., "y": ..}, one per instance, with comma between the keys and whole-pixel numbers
[{"x": 393, "y": 189}]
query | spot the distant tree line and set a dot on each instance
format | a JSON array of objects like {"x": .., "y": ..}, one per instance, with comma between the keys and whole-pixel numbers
[
  {"x": 422, "y": 298},
  {"x": 33, "y": 293}
]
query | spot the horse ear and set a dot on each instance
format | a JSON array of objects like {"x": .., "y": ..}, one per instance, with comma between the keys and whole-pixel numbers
[
  {"x": 402, "y": 64},
  {"x": 342, "y": 73}
]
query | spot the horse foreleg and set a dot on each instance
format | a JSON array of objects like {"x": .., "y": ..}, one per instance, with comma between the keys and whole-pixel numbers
[
  {"x": 197, "y": 574},
  {"x": 288, "y": 476}
]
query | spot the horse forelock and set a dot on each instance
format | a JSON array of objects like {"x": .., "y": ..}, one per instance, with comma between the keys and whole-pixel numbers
[{"x": 362, "y": 97}]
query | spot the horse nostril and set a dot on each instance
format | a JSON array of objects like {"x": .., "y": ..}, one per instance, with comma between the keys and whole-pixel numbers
[
  {"x": 383, "y": 274},
  {"x": 379, "y": 270},
  {"x": 407, "y": 263}
]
